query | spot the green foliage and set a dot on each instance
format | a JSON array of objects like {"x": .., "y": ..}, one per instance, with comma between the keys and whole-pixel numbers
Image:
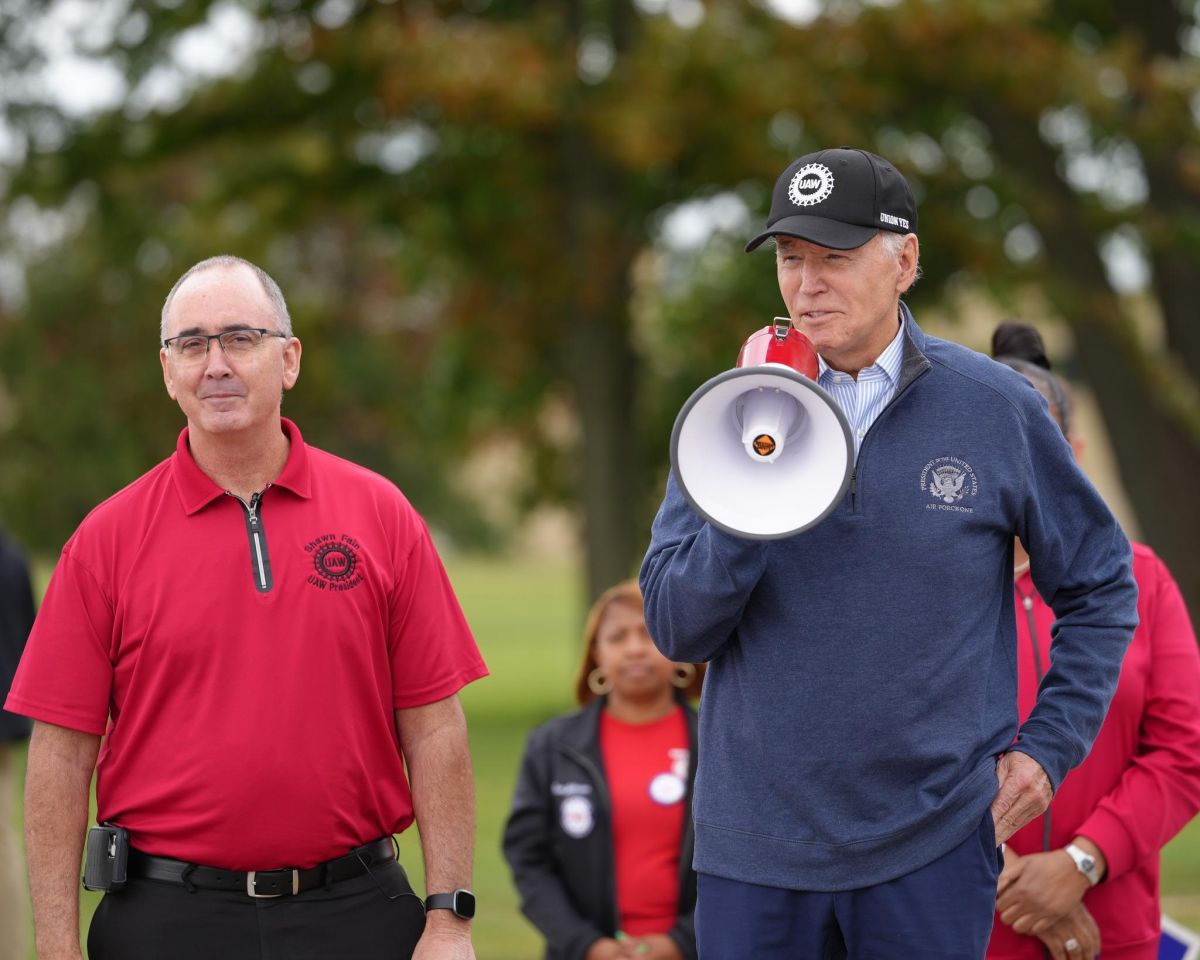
[{"x": 464, "y": 203}]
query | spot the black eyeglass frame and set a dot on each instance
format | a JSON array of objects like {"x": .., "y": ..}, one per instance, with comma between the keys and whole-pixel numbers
[{"x": 210, "y": 337}]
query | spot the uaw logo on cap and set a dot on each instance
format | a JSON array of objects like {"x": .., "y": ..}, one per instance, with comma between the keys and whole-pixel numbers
[
  {"x": 812, "y": 183},
  {"x": 949, "y": 481}
]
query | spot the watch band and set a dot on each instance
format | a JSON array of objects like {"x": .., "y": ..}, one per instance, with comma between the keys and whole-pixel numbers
[
  {"x": 460, "y": 902},
  {"x": 1085, "y": 863}
]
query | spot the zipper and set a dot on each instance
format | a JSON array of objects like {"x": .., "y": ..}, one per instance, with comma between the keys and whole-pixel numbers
[
  {"x": 1038, "y": 669},
  {"x": 879, "y": 416},
  {"x": 1027, "y": 603},
  {"x": 260, "y": 558},
  {"x": 601, "y": 786}
]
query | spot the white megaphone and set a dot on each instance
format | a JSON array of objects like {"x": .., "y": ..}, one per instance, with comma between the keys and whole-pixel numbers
[{"x": 761, "y": 451}]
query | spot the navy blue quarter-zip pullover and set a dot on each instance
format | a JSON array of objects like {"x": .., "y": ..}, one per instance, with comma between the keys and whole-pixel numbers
[{"x": 862, "y": 677}]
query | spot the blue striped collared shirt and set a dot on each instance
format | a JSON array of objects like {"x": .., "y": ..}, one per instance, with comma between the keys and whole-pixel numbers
[{"x": 861, "y": 400}]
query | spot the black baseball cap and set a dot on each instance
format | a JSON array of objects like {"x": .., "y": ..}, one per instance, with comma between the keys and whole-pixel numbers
[{"x": 839, "y": 198}]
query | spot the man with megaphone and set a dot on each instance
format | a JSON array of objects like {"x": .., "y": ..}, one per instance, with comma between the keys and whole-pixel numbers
[{"x": 861, "y": 762}]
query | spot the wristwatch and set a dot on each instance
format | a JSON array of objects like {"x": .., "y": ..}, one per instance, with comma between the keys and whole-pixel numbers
[
  {"x": 1085, "y": 863},
  {"x": 461, "y": 903}
]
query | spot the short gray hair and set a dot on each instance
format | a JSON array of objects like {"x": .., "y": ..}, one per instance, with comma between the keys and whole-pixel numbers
[
  {"x": 893, "y": 244},
  {"x": 228, "y": 261}
]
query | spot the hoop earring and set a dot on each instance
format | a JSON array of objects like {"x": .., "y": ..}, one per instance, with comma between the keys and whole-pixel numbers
[
  {"x": 683, "y": 676},
  {"x": 598, "y": 683}
]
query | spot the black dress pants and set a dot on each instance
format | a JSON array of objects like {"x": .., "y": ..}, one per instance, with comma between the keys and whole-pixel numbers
[{"x": 351, "y": 920}]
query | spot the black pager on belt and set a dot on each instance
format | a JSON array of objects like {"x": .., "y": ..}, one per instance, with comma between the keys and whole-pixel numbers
[{"x": 107, "y": 858}]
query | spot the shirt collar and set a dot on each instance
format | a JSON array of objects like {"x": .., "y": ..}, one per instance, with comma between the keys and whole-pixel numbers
[
  {"x": 197, "y": 490},
  {"x": 890, "y": 361}
]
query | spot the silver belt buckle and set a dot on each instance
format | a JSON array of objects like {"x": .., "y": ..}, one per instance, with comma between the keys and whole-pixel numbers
[{"x": 252, "y": 892}]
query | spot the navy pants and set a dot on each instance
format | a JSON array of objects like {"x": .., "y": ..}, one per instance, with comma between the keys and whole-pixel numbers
[
  {"x": 352, "y": 920},
  {"x": 943, "y": 911}
]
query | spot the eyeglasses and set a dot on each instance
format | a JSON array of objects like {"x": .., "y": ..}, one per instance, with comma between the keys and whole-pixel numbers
[{"x": 193, "y": 347}]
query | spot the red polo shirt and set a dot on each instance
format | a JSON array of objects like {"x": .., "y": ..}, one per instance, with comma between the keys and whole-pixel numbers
[{"x": 245, "y": 674}]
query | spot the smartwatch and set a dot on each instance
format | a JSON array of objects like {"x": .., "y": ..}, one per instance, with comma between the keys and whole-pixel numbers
[
  {"x": 461, "y": 903},
  {"x": 1085, "y": 863}
]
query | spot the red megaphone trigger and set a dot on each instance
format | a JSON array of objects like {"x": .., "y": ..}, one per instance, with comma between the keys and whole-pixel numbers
[{"x": 781, "y": 343}]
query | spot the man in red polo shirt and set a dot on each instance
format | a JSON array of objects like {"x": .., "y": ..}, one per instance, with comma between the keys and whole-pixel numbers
[{"x": 248, "y": 645}]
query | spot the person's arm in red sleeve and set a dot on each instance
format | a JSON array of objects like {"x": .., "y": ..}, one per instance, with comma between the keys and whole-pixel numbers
[{"x": 1160, "y": 790}]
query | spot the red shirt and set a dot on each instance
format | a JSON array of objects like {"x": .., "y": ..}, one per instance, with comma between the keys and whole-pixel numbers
[
  {"x": 1141, "y": 782},
  {"x": 647, "y": 769},
  {"x": 245, "y": 676}
]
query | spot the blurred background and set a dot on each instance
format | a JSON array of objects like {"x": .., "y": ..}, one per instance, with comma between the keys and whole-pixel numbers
[{"x": 510, "y": 236}]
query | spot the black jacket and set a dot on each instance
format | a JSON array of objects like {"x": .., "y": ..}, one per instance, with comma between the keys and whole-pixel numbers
[
  {"x": 16, "y": 620},
  {"x": 568, "y": 884}
]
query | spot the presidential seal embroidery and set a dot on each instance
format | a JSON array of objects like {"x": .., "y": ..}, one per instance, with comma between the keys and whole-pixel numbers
[
  {"x": 950, "y": 481},
  {"x": 946, "y": 483}
]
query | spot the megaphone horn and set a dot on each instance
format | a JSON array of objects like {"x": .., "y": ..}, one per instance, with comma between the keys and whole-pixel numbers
[{"x": 761, "y": 451}]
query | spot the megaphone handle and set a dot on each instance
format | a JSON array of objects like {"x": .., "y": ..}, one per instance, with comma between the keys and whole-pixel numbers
[{"x": 783, "y": 326}]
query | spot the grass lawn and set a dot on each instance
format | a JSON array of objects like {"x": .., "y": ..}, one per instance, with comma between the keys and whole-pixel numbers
[{"x": 527, "y": 619}]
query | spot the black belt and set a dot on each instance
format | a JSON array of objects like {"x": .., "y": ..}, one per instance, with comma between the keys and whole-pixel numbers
[{"x": 263, "y": 883}]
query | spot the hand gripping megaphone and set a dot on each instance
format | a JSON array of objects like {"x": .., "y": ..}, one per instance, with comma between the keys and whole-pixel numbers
[{"x": 761, "y": 451}]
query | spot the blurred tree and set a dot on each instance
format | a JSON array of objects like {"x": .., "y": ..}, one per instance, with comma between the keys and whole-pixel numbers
[{"x": 488, "y": 213}]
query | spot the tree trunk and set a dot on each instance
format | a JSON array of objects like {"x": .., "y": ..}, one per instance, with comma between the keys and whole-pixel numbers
[
  {"x": 602, "y": 363},
  {"x": 600, "y": 355}
]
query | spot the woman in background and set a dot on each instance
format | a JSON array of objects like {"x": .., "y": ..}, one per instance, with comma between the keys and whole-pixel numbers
[
  {"x": 600, "y": 834},
  {"x": 1082, "y": 880}
]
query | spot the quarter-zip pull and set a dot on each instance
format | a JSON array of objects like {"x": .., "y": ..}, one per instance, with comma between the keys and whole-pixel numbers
[
  {"x": 863, "y": 441},
  {"x": 260, "y": 558}
]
